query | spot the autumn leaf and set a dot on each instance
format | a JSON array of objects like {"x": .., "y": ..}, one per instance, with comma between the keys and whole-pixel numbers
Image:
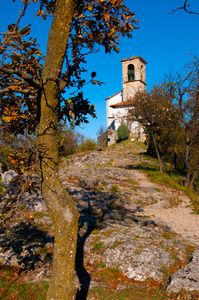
[
  {"x": 6, "y": 119},
  {"x": 95, "y": 81},
  {"x": 93, "y": 74},
  {"x": 90, "y": 8}
]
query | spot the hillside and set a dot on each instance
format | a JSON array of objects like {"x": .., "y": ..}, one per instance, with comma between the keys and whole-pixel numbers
[{"x": 134, "y": 233}]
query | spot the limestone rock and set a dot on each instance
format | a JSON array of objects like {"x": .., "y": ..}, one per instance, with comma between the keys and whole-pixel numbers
[
  {"x": 186, "y": 278},
  {"x": 9, "y": 257},
  {"x": 138, "y": 264},
  {"x": 31, "y": 199}
]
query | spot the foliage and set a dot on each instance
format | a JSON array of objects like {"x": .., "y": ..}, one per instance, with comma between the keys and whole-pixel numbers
[
  {"x": 185, "y": 85},
  {"x": 68, "y": 139},
  {"x": 151, "y": 109},
  {"x": 18, "y": 152},
  {"x": 34, "y": 97},
  {"x": 123, "y": 132},
  {"x": 87, "y": 144},
  {"x": 94, "y": 23},
  {"x": 169, "y": 114}
]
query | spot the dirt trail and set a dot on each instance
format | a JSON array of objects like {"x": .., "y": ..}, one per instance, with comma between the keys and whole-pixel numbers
[
  {"x": 179, "y": 218},
  {"x": 119, "y": 167}
]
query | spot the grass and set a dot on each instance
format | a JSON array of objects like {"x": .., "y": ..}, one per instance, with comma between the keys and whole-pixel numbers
[
  {"x": 12, "y": 288},
  {"x": 114, "y": 285},
  {"x": 123, "y": 145},
  {"x": 114, "y": 189},
  {"x": 169, "y": 178},
  {"x": 98, "y": 246},
  {"x": 168, "y": 235},
  {"x": 131, "y": 181},
  {"x": 125, "y": 294},
  {"x": 116, "y": 243}
]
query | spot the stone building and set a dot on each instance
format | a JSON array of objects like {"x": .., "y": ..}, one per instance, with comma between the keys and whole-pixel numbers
[{"x": 117, "y": 106}]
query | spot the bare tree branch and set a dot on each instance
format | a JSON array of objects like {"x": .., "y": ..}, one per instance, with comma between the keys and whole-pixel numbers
[
  {"x": 185, "y": 8},
  {"x": 21, "y": 14}
]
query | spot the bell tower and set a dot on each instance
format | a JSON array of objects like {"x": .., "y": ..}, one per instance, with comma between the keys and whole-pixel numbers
[{"x": 133, "y": 76}]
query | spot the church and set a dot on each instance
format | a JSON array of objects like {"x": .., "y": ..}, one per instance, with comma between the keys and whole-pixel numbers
[{"x": 117, "y": 106}]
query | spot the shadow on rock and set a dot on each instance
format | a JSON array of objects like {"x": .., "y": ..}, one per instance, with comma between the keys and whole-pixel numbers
[
  {"x": 25, "y": 245},
  {"x": 97, "y": 210},
  {"x": 84, "y": 278}
]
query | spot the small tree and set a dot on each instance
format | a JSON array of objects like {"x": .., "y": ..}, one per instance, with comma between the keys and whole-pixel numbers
[
  {"x": 32, "y": 99},
  {"x": 68, "y": 139},
  {"x": 123, "y": 132},
  {"x": 152, "y": 110}
]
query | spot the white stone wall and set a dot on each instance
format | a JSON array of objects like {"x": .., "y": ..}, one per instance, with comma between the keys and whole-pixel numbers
[
  {"x": 110, "y": 112},
  {"x": 130, "y": 88},
  {"x": 120, "y": 116}
]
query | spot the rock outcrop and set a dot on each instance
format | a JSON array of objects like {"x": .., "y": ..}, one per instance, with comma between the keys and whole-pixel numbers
[
  {"x": 111, "y": 196},
  {"x": 186, "y": 278}
]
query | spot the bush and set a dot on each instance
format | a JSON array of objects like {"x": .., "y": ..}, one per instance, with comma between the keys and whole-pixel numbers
[
  {"x": 68, "y": 139},
  {"x": 87, "y": 144},
  {"x": 123, "y": 132}
]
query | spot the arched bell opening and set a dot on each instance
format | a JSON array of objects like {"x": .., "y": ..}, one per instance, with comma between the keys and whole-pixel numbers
[{"x": 131, "y": 72}]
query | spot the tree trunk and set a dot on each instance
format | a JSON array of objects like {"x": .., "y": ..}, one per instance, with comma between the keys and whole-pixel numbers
[
  {"x": 187, "y": 161},
  {"x": 174, "y": 156},
  {"x": 157, "y": 152},
  {"x": 195, "y": 174},
  {"x": 61, "y": 207}
]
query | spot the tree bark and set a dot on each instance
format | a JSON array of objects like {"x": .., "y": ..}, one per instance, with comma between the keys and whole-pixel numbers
[
  {"x": 61, "y": 207},
  {"x": 157, "y": 152},
  {"x": 174, "y": 156},
  {"x": 194, "y": 176},
  {"x": 187, "y": 160}
]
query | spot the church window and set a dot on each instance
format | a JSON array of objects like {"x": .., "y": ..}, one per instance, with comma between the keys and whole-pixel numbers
[
  {"x": 131, "y": 73},
  {"x": 142, "y": 77}
]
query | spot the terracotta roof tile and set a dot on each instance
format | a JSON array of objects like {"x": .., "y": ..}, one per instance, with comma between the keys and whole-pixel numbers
[{"x": 122, "y": 104}]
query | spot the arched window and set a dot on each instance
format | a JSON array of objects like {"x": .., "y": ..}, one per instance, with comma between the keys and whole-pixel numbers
[{"x": 131, "y": 73}]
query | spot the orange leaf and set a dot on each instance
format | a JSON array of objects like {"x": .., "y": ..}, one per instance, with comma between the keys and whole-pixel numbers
[{"x": 6, "y": 119}]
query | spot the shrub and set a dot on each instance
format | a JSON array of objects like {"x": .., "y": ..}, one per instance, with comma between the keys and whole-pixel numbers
[
  {"x": 68, "y": 139},
  {"x": 123, "y": 132},
  {"x": 87, "y": 144}
]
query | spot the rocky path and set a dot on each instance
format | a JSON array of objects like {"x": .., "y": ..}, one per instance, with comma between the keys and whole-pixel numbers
[
  {"x": 118, "y": 167},
  {"x": 145, "y": 226},
  {"x": 179, "y": 217},
  {"x": 126, "y": 221}
]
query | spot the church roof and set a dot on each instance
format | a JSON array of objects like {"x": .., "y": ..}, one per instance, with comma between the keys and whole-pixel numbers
[
  {"x": 134, "y": 57},
  {"x": 122, "y": 104}
]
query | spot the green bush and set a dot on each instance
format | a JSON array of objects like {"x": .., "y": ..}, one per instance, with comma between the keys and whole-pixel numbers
[
  {"x": 87, "y": 144},
  {"x": 123, "y": 132}
]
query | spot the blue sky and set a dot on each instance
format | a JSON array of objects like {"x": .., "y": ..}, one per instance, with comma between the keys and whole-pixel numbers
[{"x": 166, "y": 41}]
